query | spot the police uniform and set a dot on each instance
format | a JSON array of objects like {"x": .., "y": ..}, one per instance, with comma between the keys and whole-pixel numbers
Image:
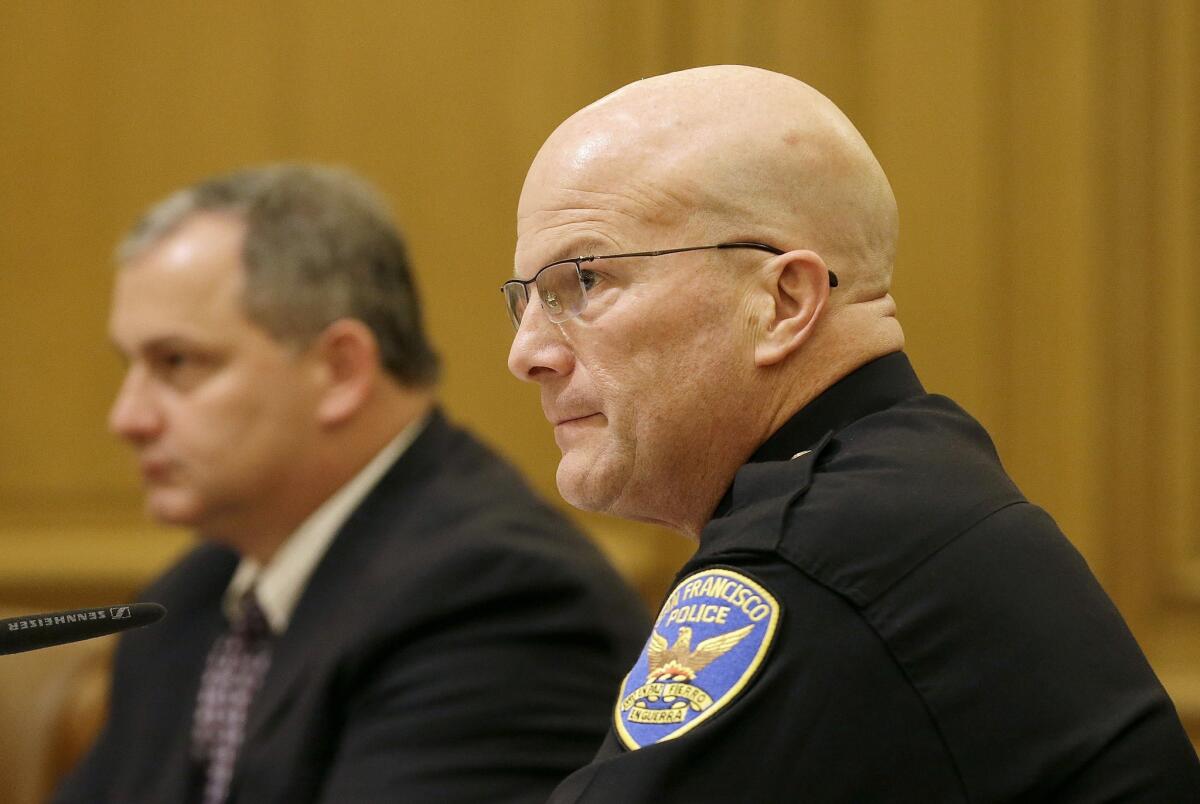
[{"x": 876, "y": 614}]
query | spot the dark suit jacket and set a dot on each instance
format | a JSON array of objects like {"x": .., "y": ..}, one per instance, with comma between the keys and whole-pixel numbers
[{"x": 459, "y": 642}]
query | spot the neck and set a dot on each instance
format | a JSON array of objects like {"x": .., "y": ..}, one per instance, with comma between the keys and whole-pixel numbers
[
  {"x": 785, "y": 390},
  {"x": 852, "y": 336},
  {"x": 342, "y": 452}
]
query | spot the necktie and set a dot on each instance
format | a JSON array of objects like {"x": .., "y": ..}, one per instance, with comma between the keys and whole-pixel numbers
[{"x": 233, "y": 673}]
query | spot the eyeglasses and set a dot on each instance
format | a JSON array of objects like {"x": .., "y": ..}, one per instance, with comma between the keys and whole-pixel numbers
[{"x": 563, "y": 285}]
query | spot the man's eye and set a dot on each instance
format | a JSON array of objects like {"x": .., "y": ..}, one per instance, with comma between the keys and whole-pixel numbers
[
  {"x": 172, "y": 361},
  {"x": 180, "y": 368},
  {"x": 589, "y": 278}
]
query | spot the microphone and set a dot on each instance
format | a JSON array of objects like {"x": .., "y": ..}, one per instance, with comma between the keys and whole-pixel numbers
[{"x": 35, "y": 631}]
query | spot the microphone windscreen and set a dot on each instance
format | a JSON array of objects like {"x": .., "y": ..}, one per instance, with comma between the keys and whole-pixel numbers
[{"x": 35, "y": 631}]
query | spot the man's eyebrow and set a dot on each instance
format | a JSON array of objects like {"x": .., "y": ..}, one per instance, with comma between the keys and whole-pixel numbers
[
  {"x": 171, "y": 342},
  {"x": 587, "y": 247},
  {"x": 166, "y": 342}
]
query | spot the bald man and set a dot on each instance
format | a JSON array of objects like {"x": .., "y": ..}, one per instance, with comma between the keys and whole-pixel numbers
[{"x": 874, "y": 612}]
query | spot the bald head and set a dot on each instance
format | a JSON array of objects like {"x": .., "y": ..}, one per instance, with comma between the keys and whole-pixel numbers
[
  {"x": 671, "y": 371},
  {"x": 735, "y": 151}
]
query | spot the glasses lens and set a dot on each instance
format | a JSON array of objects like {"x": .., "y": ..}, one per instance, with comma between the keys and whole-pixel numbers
[
  {"x": 561, "y": 292},
  {"x": 515, "y": 299}
]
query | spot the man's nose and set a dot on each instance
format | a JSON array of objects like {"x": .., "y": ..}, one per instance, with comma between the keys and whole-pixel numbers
[
  {"x": 134, "y": 415},
  {"x": 539, "y": 351}
]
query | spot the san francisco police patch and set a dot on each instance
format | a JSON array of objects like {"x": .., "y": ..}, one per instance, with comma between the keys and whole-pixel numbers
[{"x": 709, "y": 640}]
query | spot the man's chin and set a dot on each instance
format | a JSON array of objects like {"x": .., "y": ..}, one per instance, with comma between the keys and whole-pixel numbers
[
  {"x": 586, "y": 487},
  {"x": 172, "y": 508}
]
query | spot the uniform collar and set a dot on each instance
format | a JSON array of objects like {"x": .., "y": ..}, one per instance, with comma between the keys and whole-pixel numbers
[{"x": 869, "y": 389}]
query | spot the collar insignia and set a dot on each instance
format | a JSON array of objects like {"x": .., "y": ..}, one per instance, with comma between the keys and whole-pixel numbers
[{"x": 709, "y": 640}]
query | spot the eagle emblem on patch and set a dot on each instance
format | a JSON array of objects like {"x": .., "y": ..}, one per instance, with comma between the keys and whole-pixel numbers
[{"x": 706, "y": 645}]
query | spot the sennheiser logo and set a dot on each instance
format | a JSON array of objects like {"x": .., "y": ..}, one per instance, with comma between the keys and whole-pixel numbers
[
  {"x": 121, "y": 613},
  {"x": 65, "y": 619}
]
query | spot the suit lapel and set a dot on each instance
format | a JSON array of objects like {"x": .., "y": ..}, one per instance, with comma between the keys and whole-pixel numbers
[{"x": 329, "y": 596}]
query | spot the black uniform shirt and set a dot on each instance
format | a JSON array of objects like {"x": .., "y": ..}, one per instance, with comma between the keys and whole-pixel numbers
[{"x": 876, "y": 614}]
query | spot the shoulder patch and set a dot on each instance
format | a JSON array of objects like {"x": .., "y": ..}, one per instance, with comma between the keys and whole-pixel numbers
[{"x": 707, "y": 643}]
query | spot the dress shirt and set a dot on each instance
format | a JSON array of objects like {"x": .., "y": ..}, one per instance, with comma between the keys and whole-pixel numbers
[{"x": 279, "y": 583}]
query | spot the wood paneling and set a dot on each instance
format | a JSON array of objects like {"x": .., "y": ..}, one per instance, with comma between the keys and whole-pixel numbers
[{"x": 1044, "y": 156}]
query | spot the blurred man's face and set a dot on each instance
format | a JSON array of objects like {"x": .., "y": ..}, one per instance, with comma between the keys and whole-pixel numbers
[
  {"x": 219, "y": 413},
  {"x": 638, "y": 386}
]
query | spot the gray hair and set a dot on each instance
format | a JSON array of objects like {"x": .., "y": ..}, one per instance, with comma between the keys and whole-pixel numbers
[{"x": 320, "y": 245}]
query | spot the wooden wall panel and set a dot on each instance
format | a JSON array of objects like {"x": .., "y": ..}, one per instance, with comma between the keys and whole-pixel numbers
[
  {"x": 1044, "y": 156},
  {"x": 1164, "y": 583},
  {"x": 939, "y": 151},
  {"x": 1176, "y": 172},
  {"x": 1044, "y": 266}
]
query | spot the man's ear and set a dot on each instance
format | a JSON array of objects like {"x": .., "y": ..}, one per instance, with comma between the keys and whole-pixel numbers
[
  {"x": 348, "y": 355},
  {"x": 797, "y": 284}
]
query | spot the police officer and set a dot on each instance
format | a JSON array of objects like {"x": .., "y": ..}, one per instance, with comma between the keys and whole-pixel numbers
[{"x": 874, "y": 612}]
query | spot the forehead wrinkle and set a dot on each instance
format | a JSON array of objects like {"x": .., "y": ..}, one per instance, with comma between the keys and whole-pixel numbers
[
  {"x": 638, "y": 201},
  {"x": 639, "y": 179},
  {"x": 584, "y": 230},
  {"x": 587, "y": 215}
]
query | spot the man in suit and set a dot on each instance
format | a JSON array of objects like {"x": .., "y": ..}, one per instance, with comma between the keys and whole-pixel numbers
[
  {"x": 874, "y": 612},
  {"x": 379, "y": 609}
]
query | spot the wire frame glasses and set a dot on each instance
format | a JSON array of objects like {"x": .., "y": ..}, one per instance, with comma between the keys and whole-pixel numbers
[{"x": 562, "y": 286}]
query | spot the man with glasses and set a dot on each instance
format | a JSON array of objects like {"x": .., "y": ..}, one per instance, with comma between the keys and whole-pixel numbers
[
  {"x": 379, "y": 609},
  {"x": 874, "y": 612}
]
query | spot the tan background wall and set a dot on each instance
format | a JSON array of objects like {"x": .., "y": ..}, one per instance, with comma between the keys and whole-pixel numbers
[{"x": 1043, "y": 153}]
